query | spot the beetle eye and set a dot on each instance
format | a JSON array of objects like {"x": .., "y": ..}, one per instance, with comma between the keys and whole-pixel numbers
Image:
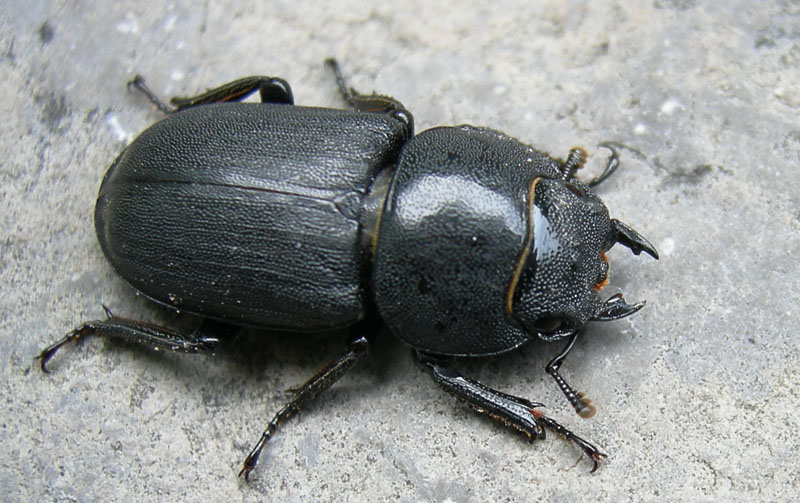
[{"x": 547, "y": 324}]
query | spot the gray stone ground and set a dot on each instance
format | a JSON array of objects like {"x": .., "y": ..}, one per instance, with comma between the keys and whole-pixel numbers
[{"x": 697, "y": 394}]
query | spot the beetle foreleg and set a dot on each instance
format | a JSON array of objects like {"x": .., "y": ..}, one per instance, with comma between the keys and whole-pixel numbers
[
  {"x": 582, "y": 405},
  {"x": 137, "y": 332},
  {"x": 271, "y": 89},
  {"x": 305, "y": 393},
  {"x": 516, "y": 412}
]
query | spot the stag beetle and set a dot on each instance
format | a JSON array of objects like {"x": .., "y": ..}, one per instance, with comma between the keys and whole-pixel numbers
[{"x": 462, "y": 241}]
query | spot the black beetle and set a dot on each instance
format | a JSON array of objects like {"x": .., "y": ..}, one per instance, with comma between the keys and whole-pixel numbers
[{"x": 461, "y": 240}]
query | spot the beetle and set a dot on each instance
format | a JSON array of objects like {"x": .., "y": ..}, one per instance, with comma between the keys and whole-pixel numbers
[{"x": 462, "y": 241}]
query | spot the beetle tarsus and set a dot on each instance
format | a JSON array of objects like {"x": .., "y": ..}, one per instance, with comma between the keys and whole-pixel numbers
[
  {"x": 74, "y": 336},
  {"x": 138, "y": 82},
  {"x": 611, "y": 165},
  {"x": 304, "y": 395},
  {"x": 589, "y": 449}
]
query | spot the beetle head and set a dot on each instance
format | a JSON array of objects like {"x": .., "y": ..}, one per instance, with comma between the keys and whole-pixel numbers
[{"x": 555, "y": 286}]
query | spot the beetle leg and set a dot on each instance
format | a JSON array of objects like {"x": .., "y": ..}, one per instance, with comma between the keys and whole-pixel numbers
[
  {"x": 516, "y": 412},
  {"x": 137, "y": 332},
  {"x": 577, "y": 158},
  {"x": 271, "y": 89},
  {"x": 373, "y": 103},
  {"x": 305, "y": 394},
  {"x": 582, "y": 405},
  {"x": 611, "y": 165}
]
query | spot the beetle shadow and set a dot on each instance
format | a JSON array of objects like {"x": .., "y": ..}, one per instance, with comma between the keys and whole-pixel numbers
[
  {"x": 254, "y": 362},
  {"x": 264, "y": 358},
  {"x": 251, "y": 354},
  {"x": 248, "y": 355}
]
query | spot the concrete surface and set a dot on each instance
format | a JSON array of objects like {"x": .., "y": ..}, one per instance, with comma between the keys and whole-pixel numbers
[{"x": 697, "y": 394}]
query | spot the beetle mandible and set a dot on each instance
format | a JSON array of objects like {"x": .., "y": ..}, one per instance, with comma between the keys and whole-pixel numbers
[{"x": 462, "y": 241}]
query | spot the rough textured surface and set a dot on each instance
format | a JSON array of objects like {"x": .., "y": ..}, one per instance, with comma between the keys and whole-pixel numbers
[{"x": 697, "y": 393}]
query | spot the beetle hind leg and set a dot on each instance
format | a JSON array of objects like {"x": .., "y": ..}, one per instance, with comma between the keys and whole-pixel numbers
[
  {"x": 372, "y": 103},
  {"x": 305, "y": 394},
  {"x": 516, "y": 412},
  {"x": 136, "y": 332},
  {"x": 271, "y": 89}
]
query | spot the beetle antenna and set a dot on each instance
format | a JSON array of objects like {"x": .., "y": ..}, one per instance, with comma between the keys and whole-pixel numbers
[
  {"x": 575, "y": 161},
  {"x": 582, "y": 405}
]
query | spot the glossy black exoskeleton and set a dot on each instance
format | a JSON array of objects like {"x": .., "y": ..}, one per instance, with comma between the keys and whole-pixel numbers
[{"x": 461, "y": 240}]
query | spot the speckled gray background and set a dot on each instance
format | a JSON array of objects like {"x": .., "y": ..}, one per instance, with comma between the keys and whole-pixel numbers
[{"x": 697, "y": 394}]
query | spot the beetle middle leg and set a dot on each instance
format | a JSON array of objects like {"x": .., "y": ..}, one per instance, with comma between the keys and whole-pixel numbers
[
  {"x": 305, "y": 394},
  {"x": 516, "y": 412},
  {"x": 271, "y": 89},
  {"x": 137, "y": 332},
  {"x": 373, "y": 103}
]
